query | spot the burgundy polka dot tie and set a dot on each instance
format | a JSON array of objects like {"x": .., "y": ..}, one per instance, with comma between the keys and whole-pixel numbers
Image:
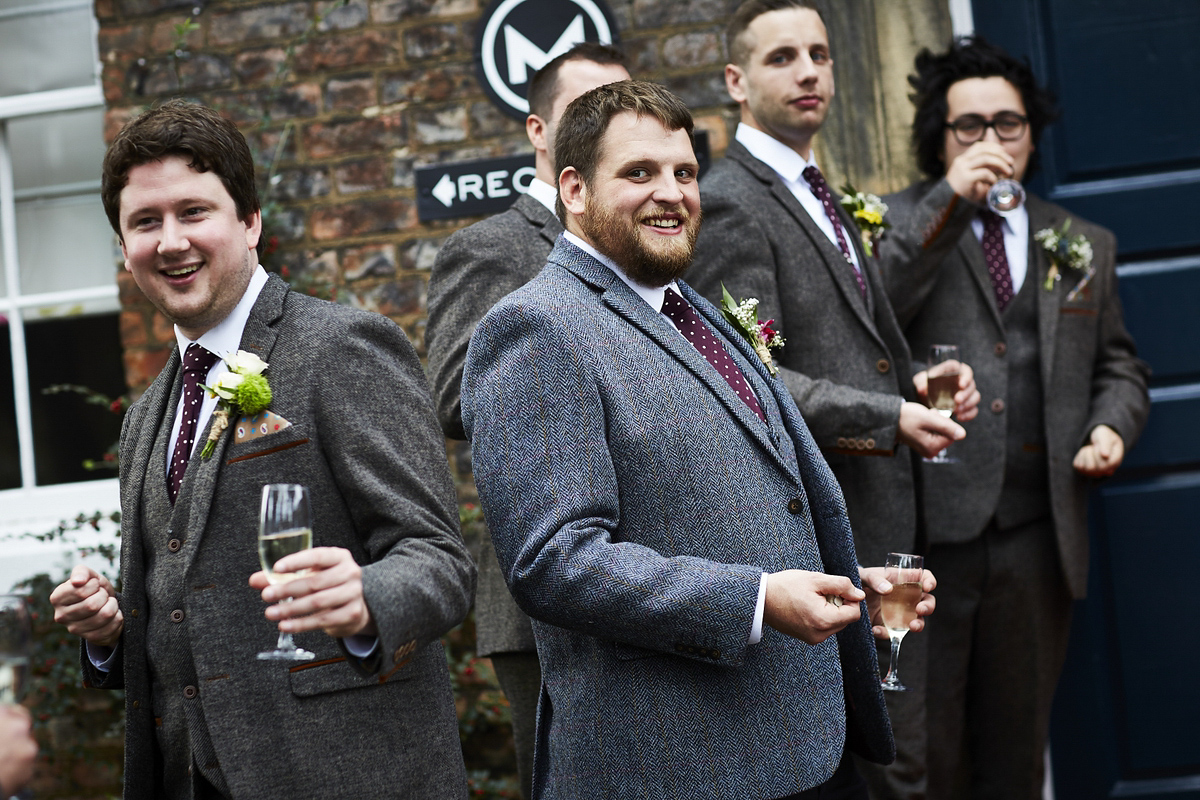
[
  {"x": 996, "y": 258},
  {"x": 820, "y": 189},
  {"x": 695, "y": 331},
  {"x": 196, "y": 363}
]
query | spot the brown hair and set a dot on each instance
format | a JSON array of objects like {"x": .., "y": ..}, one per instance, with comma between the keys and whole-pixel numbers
[
  {"x": 746, "y": 13},
  {"x": 207, "y": 140},
  {"x": 543, "y": 86},
  {"x": 584, "y": 122}
]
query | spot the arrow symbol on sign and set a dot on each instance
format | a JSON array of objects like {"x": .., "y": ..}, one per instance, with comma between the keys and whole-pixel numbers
[{"x": 445, "y": 191}]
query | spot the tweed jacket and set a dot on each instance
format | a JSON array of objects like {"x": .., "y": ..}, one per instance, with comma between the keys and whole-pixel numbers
[
  {"x": 635, "y": 501},
  {"x": 476, "y": 267},
  {"x": 845, "y": 363},
  {"x": 938, "y": 281},
  {"x": 364, "y": 439}
]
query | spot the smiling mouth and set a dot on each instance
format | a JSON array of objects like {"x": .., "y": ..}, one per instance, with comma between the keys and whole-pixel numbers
[
  {"x": 181, "y": 272},
  {"x": 664, "y": 223}
]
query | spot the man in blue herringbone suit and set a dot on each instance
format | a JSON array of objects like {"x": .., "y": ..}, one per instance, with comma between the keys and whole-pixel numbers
[{"x": 658, "y": 506}]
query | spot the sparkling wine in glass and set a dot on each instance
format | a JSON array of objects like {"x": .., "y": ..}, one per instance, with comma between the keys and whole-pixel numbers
[
  {"x": 15, "y": 638},
  {"x": 899, "y": 607},
  {"x": 285, "y": 527},
  {"x": 943, "y": 372},
  {"x": 1005, "y": 195}
]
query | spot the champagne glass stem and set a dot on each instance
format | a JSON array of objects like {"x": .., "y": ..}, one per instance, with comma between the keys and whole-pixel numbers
[{"x": 892, "y": 681}]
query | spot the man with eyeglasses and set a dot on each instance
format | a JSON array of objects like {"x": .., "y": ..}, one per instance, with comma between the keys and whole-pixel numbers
[{"x": 1064, "y": 397}]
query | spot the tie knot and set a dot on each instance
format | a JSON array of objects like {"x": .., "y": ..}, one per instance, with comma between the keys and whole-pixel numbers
[
  {"x": 990, "y": 218},
  {"x": 197, "y": 359},
  {"x": 813, "y": 176}
]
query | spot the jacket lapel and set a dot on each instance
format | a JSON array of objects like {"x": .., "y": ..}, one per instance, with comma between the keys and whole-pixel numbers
[
  {"x": 156, "y": 405},
  {"x": 259, "y": 338},
  {"x": 540, "y": 217},
  {"x": 1049, "y": 302},
  {"x": 840, "y": 270}
]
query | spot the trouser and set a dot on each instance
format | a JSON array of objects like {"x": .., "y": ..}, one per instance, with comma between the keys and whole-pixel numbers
[{"x": 520, "y": 677}]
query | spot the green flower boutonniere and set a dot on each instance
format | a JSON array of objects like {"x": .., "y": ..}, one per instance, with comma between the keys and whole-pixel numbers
[
  {"x": 744, "y": 317},
  {"x": 1066, "y": 252},
  {"x": 243, "y": 389},
  {"x": 868, "y": 211}
]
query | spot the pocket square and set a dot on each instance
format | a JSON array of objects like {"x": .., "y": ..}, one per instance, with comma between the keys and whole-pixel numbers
[{"x": 263, "y": 424}]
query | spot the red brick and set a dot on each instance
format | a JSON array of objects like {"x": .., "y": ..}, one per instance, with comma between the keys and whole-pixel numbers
[
  {"x": 696, "y": 49},
  {"x": 428, "y": 85},
  {"x": 259, "y": 66},
  {"x": 358, "y": 219},
  {"x": 261, "y": 22},
  {"x": 143, "y": 366},
  {"x": 374, "y": 261},
  {"x": 162, "y": 330},
  {"x": 357, "y": 50},
  {"x": 432, "y": 41},
  {"x": 163, "y": 38},
  {"x": 362, "y": 176},
  {"x": 133, "y": 329},
  {"x": 372, "y": 135},
  {"x": 403, "y": 10},
  {"x": 350, "y": 93}
]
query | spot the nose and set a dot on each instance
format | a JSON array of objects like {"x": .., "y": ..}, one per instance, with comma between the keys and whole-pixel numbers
[
  {"x": 667, "y": 190},
  {"x": 172, "y": 238},
  {"x": 990, "y": 135},
  {"x": 805, "y": 70}
]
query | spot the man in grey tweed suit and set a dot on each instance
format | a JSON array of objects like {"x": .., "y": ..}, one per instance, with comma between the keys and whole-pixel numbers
[
  {"x": 476, "y": 267},
  {"x": 658, "y": 506},
  {"x": 350, "y": 418},
  {"x": 1064, "y": 399},
  {"x": 772, "y": 231}
]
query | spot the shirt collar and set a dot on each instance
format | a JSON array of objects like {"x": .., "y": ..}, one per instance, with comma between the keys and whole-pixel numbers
[
  {"x": 544, "y": 193},
  {"x": 654, "y": 295},
  {"x": 774, "y": 153},
  {"x": 225, "y": 337}
]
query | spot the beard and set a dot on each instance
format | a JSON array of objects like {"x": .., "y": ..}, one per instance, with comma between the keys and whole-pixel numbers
[{"x": 621, "y": 239}]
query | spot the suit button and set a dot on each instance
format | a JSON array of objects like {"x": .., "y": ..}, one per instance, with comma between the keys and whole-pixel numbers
[
  {"x": 189, "y": 692},
  {"x": 841, "y": 442},
  {"x": 174, "y": 545},
  {"x": 882, "y": 365},
  {"x": 997, "y": 406},
  {"x": 715, "y": 653},
  {"x": 137, "y": 703},
  {"x": 1001, "y": 348},
  {"x": 133, "y": 612},
  {"x": 870, "y": 444},
  {"x": 177, "y": 615},
  {"x": 795, "y": 506}
]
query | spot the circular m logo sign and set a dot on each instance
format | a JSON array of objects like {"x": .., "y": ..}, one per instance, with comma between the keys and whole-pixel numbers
[{"x": 517, "y": 37}]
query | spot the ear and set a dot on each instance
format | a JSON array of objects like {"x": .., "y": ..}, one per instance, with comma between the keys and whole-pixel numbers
[
  {"x": 253, "y": 229},
  {"x": 535, "y": 129},
  {"x": 735, "y": 82},
  {"x": 572, "y": 191},
  {"x": 124, "y": 253}
]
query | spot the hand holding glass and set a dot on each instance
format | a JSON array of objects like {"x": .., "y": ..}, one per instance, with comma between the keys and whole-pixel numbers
[
  {"x": 899, "y": 607},
  {"x": 943, "y": 385},
  {"x": 285, "y": 527}
]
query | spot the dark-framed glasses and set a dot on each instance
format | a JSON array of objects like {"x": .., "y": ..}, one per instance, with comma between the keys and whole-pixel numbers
[{"x": 970, "y": 128}]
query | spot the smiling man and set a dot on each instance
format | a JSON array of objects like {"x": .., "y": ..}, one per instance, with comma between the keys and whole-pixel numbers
[
  {"x": 658, "y": 506},
  {"x": 1065, "y": 398},
  {"x": 349, "y": 417},
  {"x": 774, "y": 230}
]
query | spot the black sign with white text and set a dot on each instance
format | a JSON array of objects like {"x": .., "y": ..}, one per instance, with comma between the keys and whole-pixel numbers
[{"x": 517, "y": 37}]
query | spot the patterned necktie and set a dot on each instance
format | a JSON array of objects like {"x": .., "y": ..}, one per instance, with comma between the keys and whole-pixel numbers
[
  {"x": 820, "y": 189},
  {"x": 695, "y": 331},
  {"x": 196, "y": 363},
  {"x": 996, "y": 258}
]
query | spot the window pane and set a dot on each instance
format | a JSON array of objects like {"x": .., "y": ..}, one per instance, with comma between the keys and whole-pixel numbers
[
  {"x": 66, "y": 430},
  {"x": 65, "y": 243},
  {"x": 10, "y": 464},
  {"x": 41, "y": 52},
  {"x": 55, "y": 149}
]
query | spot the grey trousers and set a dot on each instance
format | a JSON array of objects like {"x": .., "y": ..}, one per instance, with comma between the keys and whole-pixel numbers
[{"x": 520, "y": 677}]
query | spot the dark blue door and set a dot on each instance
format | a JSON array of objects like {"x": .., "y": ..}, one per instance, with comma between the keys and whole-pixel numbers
[{"x": 1126, "y": 154}]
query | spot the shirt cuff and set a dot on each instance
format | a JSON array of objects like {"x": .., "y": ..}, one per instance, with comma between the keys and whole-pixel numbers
[
  {"x": 101, "y": 657},
  {"x": 361, "y": 646},
  {"x": 759, "y": 609}
]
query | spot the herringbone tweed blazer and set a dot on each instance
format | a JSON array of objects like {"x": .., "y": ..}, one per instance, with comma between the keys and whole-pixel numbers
[
  {"x": 635, "y": 501},
  {"x": 365, "y": 441},
  {"x": 476, "y": 267},
  {"x": 1090, "y": 373},
  {"x": 845, "y": 363}
]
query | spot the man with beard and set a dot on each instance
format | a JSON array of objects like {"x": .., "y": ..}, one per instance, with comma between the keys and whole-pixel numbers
[
  {"x": 658, "y": 506},
  {"x": 774, "y": 231},
  {"x": 476, "y": 267}
]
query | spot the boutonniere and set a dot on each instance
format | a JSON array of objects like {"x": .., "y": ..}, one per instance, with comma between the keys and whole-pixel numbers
[
  {"x": 867, "y": 211},
  {"x": 744, "y": 317},
  {"x": 243, "y": 389},
  {"x": 1066, "y": 252}
]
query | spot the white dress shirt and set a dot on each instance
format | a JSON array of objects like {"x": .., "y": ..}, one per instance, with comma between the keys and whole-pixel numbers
[
  {"x": 654, "y": 296},
  {"x": 790, "y": 167},
  {"x": 1016, "y": 241},
  {"x": 544, "y": 193}
]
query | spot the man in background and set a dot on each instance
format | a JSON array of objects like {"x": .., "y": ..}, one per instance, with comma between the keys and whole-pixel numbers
[
  {"x": 476, "y": 267},
  {"x": 1064, "y": 395}
]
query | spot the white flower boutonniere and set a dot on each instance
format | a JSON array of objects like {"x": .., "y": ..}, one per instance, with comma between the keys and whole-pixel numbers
[
  {"x": 867, "y": 211},
  {"x": 744, "y": 317},
  {"x": 1066, "y": 252},
  {"x": 243, "y": 389}
]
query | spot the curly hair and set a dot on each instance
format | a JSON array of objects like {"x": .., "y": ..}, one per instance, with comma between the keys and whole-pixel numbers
[{"x": 969, "y": 57}]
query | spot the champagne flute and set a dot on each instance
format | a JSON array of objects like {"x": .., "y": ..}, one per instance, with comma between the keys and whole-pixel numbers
[
  {"x": 1005, "y": 195},
  {"x": 899, "y": 607},
  {"x": 285, "y": 527},
  {"x": 943, "y": 385},
  {"x": 15, "y": 638}
]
